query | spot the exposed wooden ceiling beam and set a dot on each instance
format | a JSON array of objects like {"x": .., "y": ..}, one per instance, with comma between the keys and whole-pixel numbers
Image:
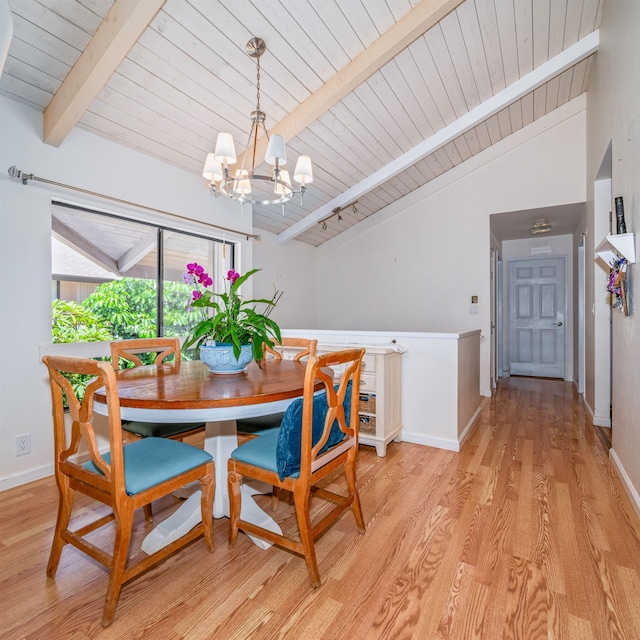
[
  {"x": 119, "y": 31},
  {"x": 536, "y": 78},
  {"x": 408, "y": 29}
]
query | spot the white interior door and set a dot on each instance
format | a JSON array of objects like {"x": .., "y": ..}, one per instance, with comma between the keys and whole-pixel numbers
[{"x": 537, "y": 317}]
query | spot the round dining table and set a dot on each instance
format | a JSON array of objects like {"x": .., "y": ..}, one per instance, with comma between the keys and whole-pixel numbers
[{"x": 186, "y": 391}]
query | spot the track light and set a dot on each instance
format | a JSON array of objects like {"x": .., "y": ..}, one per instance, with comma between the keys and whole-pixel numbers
[{"x": 337, "y": 212}]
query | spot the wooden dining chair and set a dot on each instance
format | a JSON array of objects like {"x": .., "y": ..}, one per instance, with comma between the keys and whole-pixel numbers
[
  {"x": 319, "y": 434},
  {"x": 126, "y": 477},
  {"x": 252, "y": 427},
  {"x": 160, "y": 349}
]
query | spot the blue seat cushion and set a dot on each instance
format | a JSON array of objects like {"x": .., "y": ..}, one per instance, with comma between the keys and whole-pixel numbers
[
  {"x": 151, "y": 461},
  {"x": 160, "y": 429},
  {"x": 255, "y": 426},
  {"x": 260, "y": 452},
  {"x": 290, "y": 432}
]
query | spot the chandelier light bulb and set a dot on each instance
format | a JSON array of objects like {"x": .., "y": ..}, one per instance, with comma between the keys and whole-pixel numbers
[
  {"x": 276, "y": 152},
  {"x": 225, "y": 152},
  {"x": 303, "y": 172},
  {"x": 241, "y": 187},
  {"x": 212, "y": 169},
  {"x": 283, "y": 177}
]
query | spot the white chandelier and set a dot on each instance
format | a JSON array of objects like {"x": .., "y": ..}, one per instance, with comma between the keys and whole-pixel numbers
[{"x": 245, "y": 185}]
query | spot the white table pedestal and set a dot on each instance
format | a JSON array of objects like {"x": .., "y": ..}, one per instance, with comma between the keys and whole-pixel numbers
[{"x": 220, "y": 440}]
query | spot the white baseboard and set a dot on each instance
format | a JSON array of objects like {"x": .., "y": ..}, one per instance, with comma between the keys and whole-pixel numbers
[
  {"x": 467, "y": 430},
  {"x": 588, "y": 408},
  {"x": 431, "y": 441},
  {"x": 626, "y": 481},
  {"x": 599, "y": 421},
  {"x": 442, "y": 443},
  {"x": 15, "y": 480},
  {"x": 596, "y": 420}
]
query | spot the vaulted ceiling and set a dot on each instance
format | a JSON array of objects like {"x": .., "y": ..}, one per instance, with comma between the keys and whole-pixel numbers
[{"x": 384, "y": 95}]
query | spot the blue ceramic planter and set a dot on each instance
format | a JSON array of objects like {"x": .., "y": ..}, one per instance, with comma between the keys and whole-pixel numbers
[{"x": 220, "y": 358}]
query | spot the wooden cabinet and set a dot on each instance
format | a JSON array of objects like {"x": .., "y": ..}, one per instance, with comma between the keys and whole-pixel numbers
[{"x": 379, "y": 408}]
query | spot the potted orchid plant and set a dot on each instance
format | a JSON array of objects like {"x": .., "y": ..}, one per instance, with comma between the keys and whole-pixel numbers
[{"x": 234, "y": 321}]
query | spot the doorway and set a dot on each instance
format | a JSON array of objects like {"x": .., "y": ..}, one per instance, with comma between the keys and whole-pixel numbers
[{"x": 537, "y": 316}]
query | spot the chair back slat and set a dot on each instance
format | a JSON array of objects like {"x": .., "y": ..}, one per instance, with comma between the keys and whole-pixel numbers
[
  {"x": 307, "y": 348},
  {"x": 312, "y": 455},
  {"x": 335, "y": 401},
  {"x": 81, "y": 412},
  {"x": 129, "y": 350}
]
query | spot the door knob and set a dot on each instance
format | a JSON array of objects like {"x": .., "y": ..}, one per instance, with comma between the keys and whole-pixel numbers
[{"x": 558, "y": 324}]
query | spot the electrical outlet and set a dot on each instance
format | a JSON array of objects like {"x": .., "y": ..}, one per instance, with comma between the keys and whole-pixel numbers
[{"x": 23, "y": 444}]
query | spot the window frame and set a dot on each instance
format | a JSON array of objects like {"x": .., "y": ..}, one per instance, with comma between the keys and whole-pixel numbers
[{"x": 161, "y": 229}]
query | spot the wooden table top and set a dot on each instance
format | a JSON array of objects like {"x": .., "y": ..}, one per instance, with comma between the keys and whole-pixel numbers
[{"x": 189, "y": 385}]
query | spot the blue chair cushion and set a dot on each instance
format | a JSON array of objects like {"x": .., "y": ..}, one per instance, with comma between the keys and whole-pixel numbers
[
  {"x": 160, "y": 429},
  {"x": 290, "y": 432},
  {"x": 151, "y": 461},
  {"x": 256, "y": 426},
  {"x": 260, "y": 452}
]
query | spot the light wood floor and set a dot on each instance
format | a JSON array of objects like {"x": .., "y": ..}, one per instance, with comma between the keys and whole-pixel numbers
[{"x": 524, "y": 534}]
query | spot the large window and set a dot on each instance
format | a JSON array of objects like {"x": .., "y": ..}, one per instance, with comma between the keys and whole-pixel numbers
[{"x": 114, "y": 278}]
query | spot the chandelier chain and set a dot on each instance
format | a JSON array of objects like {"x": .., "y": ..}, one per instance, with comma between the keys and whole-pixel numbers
[{"x": 258, "y": 83}]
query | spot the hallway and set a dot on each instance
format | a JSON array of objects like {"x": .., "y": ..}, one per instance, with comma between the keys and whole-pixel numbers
[
  {"x": 558, "y": 516},
  {"x": 525, "y": 534}
]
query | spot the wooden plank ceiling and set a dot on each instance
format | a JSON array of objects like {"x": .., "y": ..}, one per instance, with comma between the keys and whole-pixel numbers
[{"x": 384, "y": 95}]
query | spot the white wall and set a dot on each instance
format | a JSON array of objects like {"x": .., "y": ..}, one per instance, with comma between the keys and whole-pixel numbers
[
  {"x": 560, "y": 246},
  {"x": 613, "y": 108},
  {"x": 415, "y": 265},
  {"x": 291, "y": 268},
  {"x": 90, "y": 162}
]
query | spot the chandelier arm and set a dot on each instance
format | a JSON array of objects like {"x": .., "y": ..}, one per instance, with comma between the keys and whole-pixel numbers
[
  {"x": 246, "y": 151},
  {"x": 255, "y": 148}
]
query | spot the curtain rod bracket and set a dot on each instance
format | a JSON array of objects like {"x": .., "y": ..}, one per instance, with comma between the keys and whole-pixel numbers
[{"x": 16, "y": 173}]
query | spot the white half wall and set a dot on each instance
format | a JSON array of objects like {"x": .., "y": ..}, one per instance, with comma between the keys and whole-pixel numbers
[{"x": 414, "y": 265}]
